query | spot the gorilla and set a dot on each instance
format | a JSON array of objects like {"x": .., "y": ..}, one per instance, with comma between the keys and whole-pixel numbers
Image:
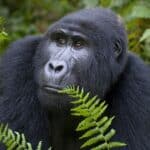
[{"x": 87, "y": 48}]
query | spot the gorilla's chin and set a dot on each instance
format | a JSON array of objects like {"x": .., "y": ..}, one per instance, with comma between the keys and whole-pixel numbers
[{"x": 52, "y": 100}]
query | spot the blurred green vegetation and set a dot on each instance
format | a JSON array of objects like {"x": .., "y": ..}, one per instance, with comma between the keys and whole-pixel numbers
[
  {"x": 3, "y": 35},
  {"x": 24, "y": 17}
]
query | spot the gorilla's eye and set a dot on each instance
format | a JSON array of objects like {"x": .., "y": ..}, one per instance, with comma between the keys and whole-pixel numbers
[
  {"x": 78, "y": 43},
  {"x": 61, "y": 41}
]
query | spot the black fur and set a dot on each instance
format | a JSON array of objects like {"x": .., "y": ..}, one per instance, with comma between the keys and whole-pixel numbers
[{"x": 123, "y": 81}]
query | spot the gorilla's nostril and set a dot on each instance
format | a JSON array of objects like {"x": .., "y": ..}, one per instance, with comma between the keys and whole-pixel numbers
[
  {"x": 51, "y": 66},
  {"x": 59, "y": 68}
]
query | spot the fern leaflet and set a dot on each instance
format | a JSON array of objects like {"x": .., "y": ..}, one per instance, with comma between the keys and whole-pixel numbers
[{"x": 95, "y": 124}]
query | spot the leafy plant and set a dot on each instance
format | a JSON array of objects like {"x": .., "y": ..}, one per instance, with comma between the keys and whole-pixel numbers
[
  {"x": 14, "y": 140},
  {"x": 3, "y": 34},
  {"x": 94, "y": 124},
  {"x": 146, "y": 35}
]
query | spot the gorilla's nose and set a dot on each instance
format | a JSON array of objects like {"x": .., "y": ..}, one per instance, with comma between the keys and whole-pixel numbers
[{"x": 56, "y": 68}]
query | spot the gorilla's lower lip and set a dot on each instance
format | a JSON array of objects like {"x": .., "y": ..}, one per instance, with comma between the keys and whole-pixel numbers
[{"x": 52, "y": 88}]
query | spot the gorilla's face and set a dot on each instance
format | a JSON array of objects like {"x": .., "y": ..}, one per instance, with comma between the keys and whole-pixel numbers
[
  {"x": 65, "y": 55},
  {"x": 80, "y": 50},
  {"x": 68, "y": 53}
]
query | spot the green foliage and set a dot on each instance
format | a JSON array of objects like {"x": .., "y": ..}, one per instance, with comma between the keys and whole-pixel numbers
[
  {"x": 145, "y": 40},
  {"x": 146, "y": 35},
  {"x": 89, "y": 3},
  {"x": 141, "y": 11},
  {"x": 3, "y": 34},
  {"x": 32, "y": 16},
  {"x": 95, "y": 123},
  {"x": 118, "y": 3},
  {"x": 14, "y": 140}
]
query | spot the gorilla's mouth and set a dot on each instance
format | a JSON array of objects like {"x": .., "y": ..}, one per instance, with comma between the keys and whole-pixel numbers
[{"x": 52, "y": 88}]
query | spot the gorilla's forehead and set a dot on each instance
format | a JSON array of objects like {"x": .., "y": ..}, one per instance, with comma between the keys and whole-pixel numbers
[
  {"x": 94, "y": 15},
  {"x": 95, "y": 24},
  {"x": 74, "y": 24},
  {"x": 95, "y": 19}
]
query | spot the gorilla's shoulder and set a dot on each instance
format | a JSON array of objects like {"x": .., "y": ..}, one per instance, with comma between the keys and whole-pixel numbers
[
  {"x": 28, "y": 43},
  {"x": 137, "y": 70},
  {"x": 135, "y": 63},
  {"x": 22, "y": 49},
  {"x": 18, "y": 58}
]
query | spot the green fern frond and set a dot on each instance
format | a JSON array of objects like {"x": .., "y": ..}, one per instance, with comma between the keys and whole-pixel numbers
[
  {"x": 14, "y": 140},
  {"x": 95, "y": 124}
]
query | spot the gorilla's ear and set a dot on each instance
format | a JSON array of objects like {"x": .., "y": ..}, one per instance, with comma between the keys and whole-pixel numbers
[{"x": 117, "y": 48}]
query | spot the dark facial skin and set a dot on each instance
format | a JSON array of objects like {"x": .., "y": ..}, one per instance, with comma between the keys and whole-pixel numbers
[{"x": 66, "y": 55}]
